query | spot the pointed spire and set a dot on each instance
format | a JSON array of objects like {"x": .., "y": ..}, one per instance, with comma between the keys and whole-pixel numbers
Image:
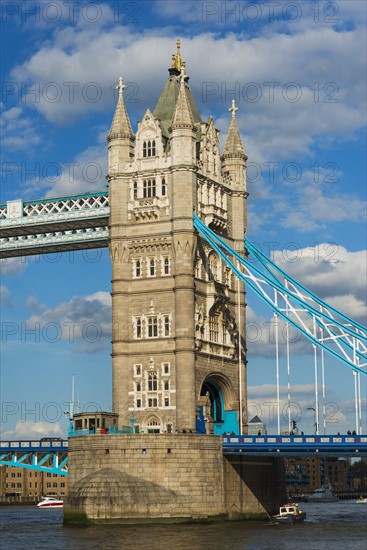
[
  {"x": 177, "y": 62},
  {"x": 233, "y": 145},
  {"x": 183, "y": 117},
  {"x": 121, "y": 127}
]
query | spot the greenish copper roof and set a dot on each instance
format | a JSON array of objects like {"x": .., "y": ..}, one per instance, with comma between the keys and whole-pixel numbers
[{"x": 165, "y": 108}]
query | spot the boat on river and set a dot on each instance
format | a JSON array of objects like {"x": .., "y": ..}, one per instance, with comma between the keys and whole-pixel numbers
[
  {"x": 323, "y": 494},
  {"x": 362, "y": 500},
  {"x": 50, "y": 502},
  {"x": 289, "y": 513}
]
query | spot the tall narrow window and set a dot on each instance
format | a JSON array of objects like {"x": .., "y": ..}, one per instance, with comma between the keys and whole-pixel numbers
[
  {"x": 166, "y": 401},
  {"x": 135, "y": 190},
  {"x": 213, "y": 328},
  {"x": 224, "y": 333},
  {"x": 152, "y": 327},
  {"x": 164, "y": 188},
  {"x": 166, "y": 385},
  {"x": 153, "y": 148},
  {"x": 137, "y": 370},
  {"x": 152, "y": 382},
  {"x": 213, "y": 268},
  {"x": 166, "y": 325},
  {"x": 149, "y": 149},
  {"x": 166, "y": 266},
  {"x": 152, "y": 267},
  {"x": 138, "y": 327},
  {"x": 144, "y": 149},
  {"x": 137, "y": 269}
]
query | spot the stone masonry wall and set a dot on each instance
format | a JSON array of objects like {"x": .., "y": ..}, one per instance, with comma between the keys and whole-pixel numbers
[
  {"x": 254, "y": 485},
  {"x": 166, "y": 477},
  {"x": 138, "y": 477}
]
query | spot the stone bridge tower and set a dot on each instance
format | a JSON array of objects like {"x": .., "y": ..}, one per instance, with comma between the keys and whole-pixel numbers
[{"x": 178, "y": 345}]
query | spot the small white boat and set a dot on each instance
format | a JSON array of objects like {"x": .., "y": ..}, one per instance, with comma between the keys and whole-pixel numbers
[
  {"x": 323, "y": 494},
  {"x": 50, "y": 502},
  {"x": 289, "y": 513},
  {"x": 362, "y": 500}
]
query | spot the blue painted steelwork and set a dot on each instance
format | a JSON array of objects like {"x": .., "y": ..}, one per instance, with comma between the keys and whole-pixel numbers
[
  {"x": 43, "y": 456},
  {"x": 338, "y": 445},
  {"x": 200, "y": 422},
  {"x": 52, "y": 225},
  {"x": 342, "y": 333},
  {"x": 51, "y": 456}
]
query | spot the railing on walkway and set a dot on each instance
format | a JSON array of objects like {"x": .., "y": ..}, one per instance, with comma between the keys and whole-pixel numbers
[
  {"x": 294, "y": 444},
  {"x": 99, "y": 431}
]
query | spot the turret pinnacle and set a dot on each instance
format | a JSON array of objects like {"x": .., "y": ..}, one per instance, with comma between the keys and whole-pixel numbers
[
  {"x": 233, "y": 146},
  {"x": 121, "y": 127},
  {"x": 183, "y": 117}
]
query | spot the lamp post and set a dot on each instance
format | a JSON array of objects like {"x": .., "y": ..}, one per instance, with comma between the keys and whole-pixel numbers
[{"x": 316, "y": 422}]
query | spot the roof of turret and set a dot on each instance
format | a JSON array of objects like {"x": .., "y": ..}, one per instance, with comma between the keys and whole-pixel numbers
[
  {"x": 182, "y": 116},
  {"x": 121, "y": 126},
  {"x": 166, "y": 105}
]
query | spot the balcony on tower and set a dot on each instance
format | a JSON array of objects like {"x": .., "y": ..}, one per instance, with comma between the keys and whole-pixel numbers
[
  {"x": 147, "y": 208},
  {"x": 212, "y": 205}
]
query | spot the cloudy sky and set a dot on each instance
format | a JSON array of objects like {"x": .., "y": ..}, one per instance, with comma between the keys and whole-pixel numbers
[{"x": 298, "y": 73}]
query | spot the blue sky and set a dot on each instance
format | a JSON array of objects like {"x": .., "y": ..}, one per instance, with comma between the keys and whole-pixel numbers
[{"x": 298, "y": 73}]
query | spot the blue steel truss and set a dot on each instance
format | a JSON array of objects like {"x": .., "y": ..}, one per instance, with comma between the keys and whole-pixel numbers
[
  {"x": 42, "y": 456},
  {"x": 323, "y": 325},
  {"x": 77, "y": 222}
]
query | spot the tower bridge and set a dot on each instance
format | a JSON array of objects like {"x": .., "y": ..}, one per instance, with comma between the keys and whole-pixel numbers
[{"x": 187, "y": 350}]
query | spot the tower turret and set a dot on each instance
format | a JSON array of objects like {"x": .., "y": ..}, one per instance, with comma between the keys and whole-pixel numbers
[
  {"x": 183, "y": 129},
  {"x": 234, "y": 173},
  {"x": 120, "y": 138}
]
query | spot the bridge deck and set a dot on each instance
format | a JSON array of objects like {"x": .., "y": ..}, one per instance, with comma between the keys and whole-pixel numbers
[{"x": 346, "y": 445}]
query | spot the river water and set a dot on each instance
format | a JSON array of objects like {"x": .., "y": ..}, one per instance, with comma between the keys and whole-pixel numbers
[{"x": 336, "y": 526}]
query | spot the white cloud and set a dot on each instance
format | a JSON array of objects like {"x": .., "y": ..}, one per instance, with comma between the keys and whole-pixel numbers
[
  {"x": 83, "y": 320},
  {"x": 18, "y": 130},
  {"x": 29, "y": 429},
  {"x": 86, "y": 172},
  {"x": 310, "y": 209},
  {"x": 333, "y": 273},
  {"x": 12, "y": 266},
  {"x": 331, "y": 93}
]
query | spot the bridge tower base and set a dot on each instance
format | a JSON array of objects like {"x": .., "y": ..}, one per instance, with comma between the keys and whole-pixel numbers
[{"x": 167, "y": 477}]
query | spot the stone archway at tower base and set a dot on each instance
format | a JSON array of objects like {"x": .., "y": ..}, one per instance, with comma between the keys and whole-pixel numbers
[{"x": 167, "y": 477}]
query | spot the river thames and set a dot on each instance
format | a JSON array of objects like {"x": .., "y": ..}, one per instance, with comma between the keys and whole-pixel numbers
[{"x": 340, "y": 526}]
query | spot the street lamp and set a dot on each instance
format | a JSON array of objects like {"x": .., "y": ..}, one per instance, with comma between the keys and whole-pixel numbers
[{"x": 316, "y": 423}]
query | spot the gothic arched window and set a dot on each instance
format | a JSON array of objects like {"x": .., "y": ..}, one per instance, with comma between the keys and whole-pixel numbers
[
  {"x": 152, "y": 382},
  {"x": 153, "y": 327},
  {"x": 149, "y": 188},
  {"x": 214, "y": 328},
  {"x": 213, "y": 267}
]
